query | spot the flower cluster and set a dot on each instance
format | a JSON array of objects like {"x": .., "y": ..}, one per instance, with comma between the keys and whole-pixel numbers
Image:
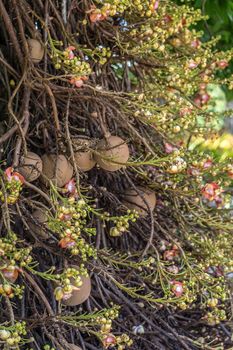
[
  {"x": 103, "y": 54},
  {"x": 70, "y": 223},
  {"x": 69, "y": 280},
  {"x": 108, "y": 339},
  {"x": 122, "y": 341},
  {"x": 12, "y": 262},
  {"x": 13, "y": 186},
  {"x": 11, "y": 336},
  {"x": 198, "y": 276},
  {"x": 212, "y": 193},
  {"x": 68, "y": 61},
  {"x": 122, "y": 223}
]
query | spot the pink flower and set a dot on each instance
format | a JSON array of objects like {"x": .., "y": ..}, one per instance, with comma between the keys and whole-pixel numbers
[
  {"x": 109, "y": 341},
  {"x": 222, "y": 64},
  {"x": 78, "y": 82},
  {"x": 192, "y": 64},
  {"x": 177, "y": 288},
  {"x": 205, "y": 98},
  {"x": 71, "y": 187},
  {"x": 197, "y": 100},
  {"x": 13, "y": 175},
  {"x": 167, "y": 19},
  {"x": 169, "y": 148},
  {"x": 67, "y": 242},
  {"x": 173, "y": 269},
  {"x": 185, "y": 111},
  {"x": 169, "y": 255},
  {"x": 207, "y": 164},
  {"x": 202, "y": 86},
  {"x": 193, "y": 171},
  {"x": 96, "y": 15},
  {"x": 211, "y": 191},
  {"x": 70, "y": 48},
  {"x": 156, "y": 4},
  {"x": 71, "y": 55},
  {"x": 195, "y": 43}
]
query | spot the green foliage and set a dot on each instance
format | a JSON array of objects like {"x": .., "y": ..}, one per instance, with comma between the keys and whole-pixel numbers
[{"x": 218, "y": 24}]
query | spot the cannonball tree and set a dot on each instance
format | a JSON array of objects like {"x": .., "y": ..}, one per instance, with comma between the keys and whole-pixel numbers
[{"x": 114, "y": 232}]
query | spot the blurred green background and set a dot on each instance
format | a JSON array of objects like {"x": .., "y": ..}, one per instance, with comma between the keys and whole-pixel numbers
[{"x": 219, "y": 24}]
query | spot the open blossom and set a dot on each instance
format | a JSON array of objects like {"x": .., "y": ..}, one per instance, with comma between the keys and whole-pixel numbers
[
  {"x": 185, "y": 111},
  {"x": 96, "y": 15},
  {"x": 71, "y": 187},
  {"x": 67, "y": 242},
  {"x": 177, "y": 288},
  {"x": 207, "y": 164},
  {"x": 170, "y": 254},
  {"x": 154, "y": 5},
  {"x": 205, "y": 98},
  {"x": 222, "y": 64},
  {"x": 71, "y": 55},
  {"x": 109, "y": 341},
  {"x": 173, "y": 269},
  {"x": 70, "y": 50},
  {"x": 78, "y": 81},
  {"x": 193, "y": 171},
  {"x": 169, "y": 148},
  {"x": 211, "y": 191},
  {"x": 195, "y": 43},
  {"x": 192, "y": 64},
  {"x": 13, "y": 175}
]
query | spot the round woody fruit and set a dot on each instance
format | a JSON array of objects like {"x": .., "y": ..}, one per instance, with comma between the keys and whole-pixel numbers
[
  {"x": 40, "y": 217},
  {"x": 74, "y": 347},
  {"x": 140, "y": 201},
  {"x": 31, "y": 166},
  {"x": 84, "y": 160},
  {"x": 36, "y": 50},
  {"x": 57, "y": 169},
  {"x": 110, "y": 150}
]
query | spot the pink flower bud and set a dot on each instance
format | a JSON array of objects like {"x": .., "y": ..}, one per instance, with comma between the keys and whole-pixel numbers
[
  {"x": 177, "y": 288},
  {"x": 195, "y": 43},
  {"x": 222, "y": 64},
  {"x": 192, "y": 64}
]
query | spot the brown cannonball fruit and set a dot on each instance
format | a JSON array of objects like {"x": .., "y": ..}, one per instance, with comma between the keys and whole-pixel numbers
[
  {"x": 113, "y": 148},
  {"x": 74, "y": 347},
  {"x": 57, "y": 169},
  {"x": 40, "y": 217},
  {"x": 82, "y": 294},
  {"x": 134, "y": 201},
  {"x": 31, "y": 166},
  {"x": 36, "y": 50},
  {"x": 84, "y": 160}
]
